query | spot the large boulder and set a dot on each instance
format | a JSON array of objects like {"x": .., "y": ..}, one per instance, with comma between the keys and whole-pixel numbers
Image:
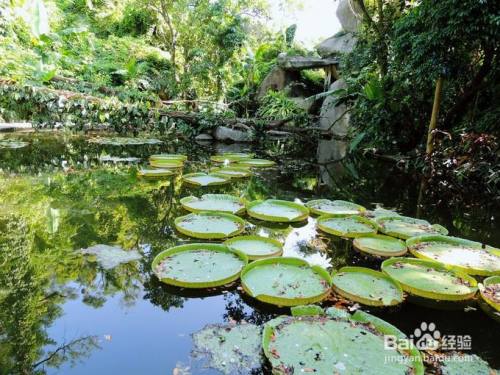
[
  {"x": 276, "y": 80},
  {"x": 335, "y": 117},
  {"x": 348, "y": 13},
  {"x": 340, "y": 43},
  {"x": 237, "y": 133}
]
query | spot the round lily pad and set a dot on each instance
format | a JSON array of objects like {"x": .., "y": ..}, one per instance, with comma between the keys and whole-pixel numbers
[
  {"x": 348, "y": 226},
  {"x": 256, "y": 163},
  {"x": 380, "y": 245},
  {"x": 467, "y": 256},
  {"x": 230, "y": 157},
  {"x": 203, "y": 179},
  {"x": 323, "y": 345},
  {"x": 166, "y": 163},
  {"x": 12, "y": 144},
  {"x": 180, "y": 157},
  {"x": 285, "y": 281},
  {"x": 255, "y": 247},
  {"x": 215, "y": 203},
  {"x": 199, "y": 265},
  {"x": 405, "y": 227},
  {"x": 210, "y": 225},
  {"x": 461, "y": 364},
  {"x": 338, "y": 207},
  {"x": 155, "y": 173},
  {"x": 490, "y": 291},
  {"x": 378, "y": 212},
  {"x": 429, "y": 279},
  {"x": 124, "y": 141},
  {"x": 367, "y": 286},
  {"x": 233, "y": 172},
  {"x": 277, "y": 211}
]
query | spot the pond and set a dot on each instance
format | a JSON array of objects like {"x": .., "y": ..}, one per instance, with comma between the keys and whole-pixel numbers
[{"x": 63, "y": 311}]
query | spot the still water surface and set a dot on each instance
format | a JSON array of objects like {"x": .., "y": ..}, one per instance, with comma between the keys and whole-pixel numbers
[{"x": 57, "y": 197}]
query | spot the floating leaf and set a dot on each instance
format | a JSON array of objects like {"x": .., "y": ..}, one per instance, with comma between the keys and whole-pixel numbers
[
  {"x": 255, "y": 247},
  {"x": 111, "y": 256},
  {"x": 429, "y": 279},
  {"x": 380, "y": 245},
  {"x": 231, "y": 349},
  {"x": 214, "y": 203},
  {"x": 199, "y": 265},
  {"x": 256, "y": 163},
  {"x": 155, "y": 173},
  {"x": 210, "y": 225},
  {"x": 460, "y": 364},
  {"x": 124, "y": 141},
  {"x": 233, "y": 172},
  {"x": 285, "y": 281},
  {"x": 338, "y": 207},
  {"x": 230, "y": 157},
  {"x": 490, "y": 291},
  {"x": 349, "y": 226},
  {"x": 203, "y": 179},
  {"x": 166, "y": 163},
  {"x": 378, "y": 212},
  {"x": 467, "y": 256},
  {"x": 179, "y": 157},
  {"x": 405, "y": 227},
  {"x": 277, "y": 211},
  {"x": 367, "y": 286}
]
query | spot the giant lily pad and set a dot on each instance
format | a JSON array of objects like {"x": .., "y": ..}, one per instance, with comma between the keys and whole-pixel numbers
[
  {"x": 467, "y": 256},
  {"x": 490, "y": 291},
  {"x": 379, "y": 212},
  {"x": 12, "y": 144},
  {"x": 255, "y": 247},
  {"x": 179, "y": 157},
  {"x": 199, "y": 265},
  {"x": 231, "y": 349},
  {"x": 335, "y": 345},
  {"x": 285, "y": 281},
  {"x": 155, "y": 173},
  {"x": 429, "y": 279},
  {"x": 349, "y": 226},
  {"x": 111, "y": 256},
  {"x": 380, "y": 246},
  {"x": 340, "y": 208},
  {"x": 231, "y": 157},
  {"x": 203, "y": 179},
  {"x": 367, "y": 286},
  {"x": 210, "y": 225},
  {"x": 166, "y": 163},
  {"x": 465, "y": 364},
  {"x": 233, "y": 172},
  {"x": 277, "y": 211},
  {"x": 405, "y": 227},
  {"x": 215, "y": 203},
  {"x": 124, "y": 141},
  {"x": 256, "y": 163}
]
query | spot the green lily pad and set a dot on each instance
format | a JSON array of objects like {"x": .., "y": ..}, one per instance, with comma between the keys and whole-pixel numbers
[
  {"x": 203, "y": 179},
  {"x": 199, "y": 265},
  {"x": 490, "y": 291},
  {"x": 367, "y": 286},
  {"x": 255, "y": 247},
  {"x": 256, "y": 163},
  {"x": 380, "y": 245},
  {"x": 231, "y": 157},
  {"x": 429, "y": 279},
  {"x": 405, "y": 227},
  {"x": 465, "y": 364},
  {"x": 12, "y": 144},
  {"x": 124, "y": 141},
  {"x": 214, "y": 203},
  {"x": 111, "y": 256},
  {"x": 233, "y": 172},
  {"x": 166, "y": 163},
  {"x": 231, "y": 348},
  {"x": 210, "y": 225},
  {"x": 348, "y": 226},
  {"x": 323, "y": 345},
  {"x": 154, "y": 173},
  {"x": 277, "y": 211},
  {"x": 467, "y": 256},
  {"x": 285, "y": 281},
  {"x": 179, "y": 157},
  {"x": 378, "y": 212},
  {"x": 328, "y": 207}
]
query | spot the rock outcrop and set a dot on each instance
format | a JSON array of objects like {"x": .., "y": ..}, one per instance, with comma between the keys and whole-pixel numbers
[
  {"x": 237, "y": 133},
  {"x": 335, "y": 117},
  {"x": 349, "y": 15},
  {"x": 340, "y": 43}
]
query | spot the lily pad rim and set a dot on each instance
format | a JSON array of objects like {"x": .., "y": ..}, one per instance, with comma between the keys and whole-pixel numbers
[
  {"x": 186, "y": 178},
  {"x": 486, "y": 282},
  {"x": 277, "y": 219},
  {"x": 186, "y": 200},
  {"x": 380, "y": 254},
  {"x": 319, "y": 212},
  {"x": 442, "y": 230},
  {"x": 359, "y": 218},
  {"x": 272, "y": 241},
  {"x": 210, "y": 235}
]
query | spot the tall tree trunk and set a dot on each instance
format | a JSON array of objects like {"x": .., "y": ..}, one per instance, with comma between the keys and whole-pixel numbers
[{"x": 434, "y": 116}]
